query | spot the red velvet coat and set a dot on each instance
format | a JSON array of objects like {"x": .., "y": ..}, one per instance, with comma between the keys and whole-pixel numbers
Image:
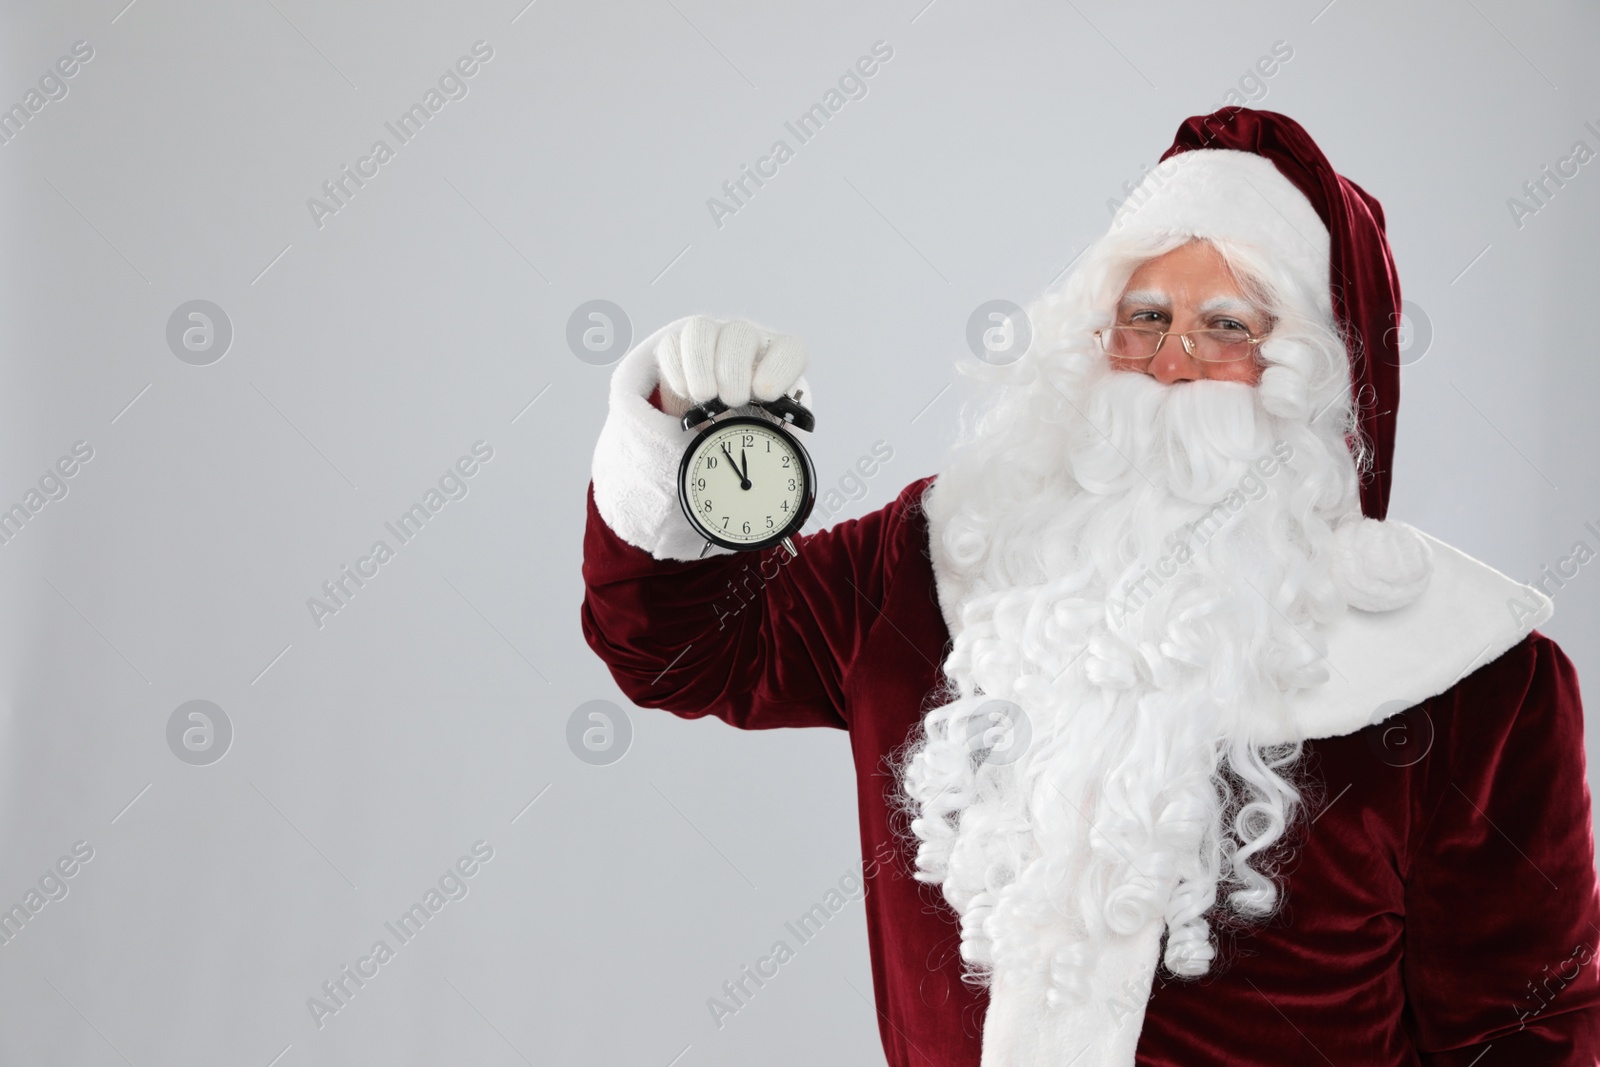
[{"x": 1433, "y": 912}]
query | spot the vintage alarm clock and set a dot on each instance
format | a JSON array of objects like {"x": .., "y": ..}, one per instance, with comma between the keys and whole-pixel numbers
[{"x": 745, "y": 483}]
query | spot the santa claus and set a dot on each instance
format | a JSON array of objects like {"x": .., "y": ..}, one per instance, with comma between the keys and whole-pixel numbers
[{"x": 1192, "y": 757}]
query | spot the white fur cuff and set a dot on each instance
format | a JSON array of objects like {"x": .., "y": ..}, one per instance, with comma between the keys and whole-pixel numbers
[{"x": 635, "y": 468}]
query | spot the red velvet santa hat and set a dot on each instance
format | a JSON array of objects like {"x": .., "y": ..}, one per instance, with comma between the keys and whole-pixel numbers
[{"x": 1257, "y": 176}]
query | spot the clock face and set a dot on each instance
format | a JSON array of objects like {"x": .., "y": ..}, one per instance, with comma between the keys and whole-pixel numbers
[{"x": 745, "y": 483}]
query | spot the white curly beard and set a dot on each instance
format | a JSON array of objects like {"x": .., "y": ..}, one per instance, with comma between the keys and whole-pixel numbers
[{"x": 1140, "y": 655}]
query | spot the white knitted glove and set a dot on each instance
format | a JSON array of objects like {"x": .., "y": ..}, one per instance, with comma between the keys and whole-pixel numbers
[
  {"x": 731, "y": 361},
  {"x": 636, "y": 459}
]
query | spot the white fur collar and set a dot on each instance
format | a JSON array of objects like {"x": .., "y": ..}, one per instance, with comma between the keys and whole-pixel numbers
[
  {"x": 1384, "y": 662},
  {"x": 1380, "y": 663}
]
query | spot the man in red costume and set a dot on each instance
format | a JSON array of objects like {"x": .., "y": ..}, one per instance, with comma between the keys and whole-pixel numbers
[{"x": 1199, "y": 760}]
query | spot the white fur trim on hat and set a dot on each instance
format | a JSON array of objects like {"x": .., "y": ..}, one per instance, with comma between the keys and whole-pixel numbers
[{"x": 1238, "y": 196}]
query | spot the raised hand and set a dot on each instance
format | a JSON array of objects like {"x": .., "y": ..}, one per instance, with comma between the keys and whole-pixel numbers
[{"x": 733, "y": 362}]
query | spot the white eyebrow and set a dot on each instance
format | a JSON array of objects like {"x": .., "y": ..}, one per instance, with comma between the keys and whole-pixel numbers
[
  {"x": 1230, "y": 304},
  {"x": 1152, "y": 297}
]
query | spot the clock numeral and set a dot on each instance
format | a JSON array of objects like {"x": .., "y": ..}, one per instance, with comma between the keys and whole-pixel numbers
[{"x": 743, "y": 531}]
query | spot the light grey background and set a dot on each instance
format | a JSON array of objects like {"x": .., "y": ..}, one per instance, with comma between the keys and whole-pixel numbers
[{"x": 369, "y": 754}]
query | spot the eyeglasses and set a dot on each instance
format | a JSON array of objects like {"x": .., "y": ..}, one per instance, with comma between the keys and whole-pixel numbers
[{"x": 1208, "y": 346}]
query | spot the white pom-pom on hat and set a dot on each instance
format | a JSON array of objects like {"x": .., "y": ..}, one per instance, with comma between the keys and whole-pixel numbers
[{"x": 1381, "y": 566}]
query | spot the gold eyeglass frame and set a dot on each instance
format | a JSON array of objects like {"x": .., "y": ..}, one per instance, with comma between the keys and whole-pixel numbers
[{"x": 1188, "y": 345}]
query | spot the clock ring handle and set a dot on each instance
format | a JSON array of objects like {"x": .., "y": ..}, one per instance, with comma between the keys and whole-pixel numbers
[
  {"x": 700, "y": 413},
  {"x": 790, "y": 410},
  {"x": 786, "y": 408}
]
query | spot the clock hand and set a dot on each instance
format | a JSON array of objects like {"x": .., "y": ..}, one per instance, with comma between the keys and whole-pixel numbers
[
  {"x": 744, "y": 483},
  {"x": 744, "y": 466}
]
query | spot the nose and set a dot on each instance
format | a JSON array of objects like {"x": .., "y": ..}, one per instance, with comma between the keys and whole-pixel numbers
[{"x": 1173, "y": 363}]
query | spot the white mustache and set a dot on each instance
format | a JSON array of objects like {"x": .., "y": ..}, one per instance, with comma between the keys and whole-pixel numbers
[{"x": 1195, "y": 439}]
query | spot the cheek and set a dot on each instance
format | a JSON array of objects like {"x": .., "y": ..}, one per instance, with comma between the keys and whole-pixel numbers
[
  {"x": 1245, "y": 370},
  {"x": 1138, "y": 366}
]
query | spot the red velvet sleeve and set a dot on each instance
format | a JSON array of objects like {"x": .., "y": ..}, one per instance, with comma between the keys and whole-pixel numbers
[
  {"x": 759, "y": 640},
  {"x": 1502, "y": 913}
]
